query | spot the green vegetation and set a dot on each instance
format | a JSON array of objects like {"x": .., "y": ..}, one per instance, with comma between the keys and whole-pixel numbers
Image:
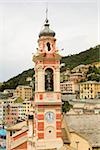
[
  {"x": 87, "y": 57},
  {"x": 18, "y": 80},
  {"x": 93, "y": 74},
  {"x": 1, "y": 83},
  {"x": 66, "y": 106}
]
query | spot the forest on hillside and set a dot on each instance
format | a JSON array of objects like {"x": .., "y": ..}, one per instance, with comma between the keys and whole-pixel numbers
[{"x": 86, "y": 57}]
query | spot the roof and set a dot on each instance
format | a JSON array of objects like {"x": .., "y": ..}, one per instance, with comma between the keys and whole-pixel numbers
[
  {"x": 87, "y": 126},
  {"x": 78, "y": 105},
  {"x": 18, "y": 126},
  {"x": 23, "y": 86},
  {"x": 47, "y": 31},
  {"x": 90, "y": 82}
]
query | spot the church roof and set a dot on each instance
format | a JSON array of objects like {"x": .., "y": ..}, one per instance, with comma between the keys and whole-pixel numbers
[
  {"x": 86, "y": 125},
  {"x": 46, "y": 31}
]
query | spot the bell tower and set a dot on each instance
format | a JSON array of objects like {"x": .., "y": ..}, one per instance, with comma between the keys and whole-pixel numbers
[{"x": 47, "y": 91}]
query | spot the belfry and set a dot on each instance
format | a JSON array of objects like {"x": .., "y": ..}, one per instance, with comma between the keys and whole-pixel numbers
[{"x": 47, "y": 119}]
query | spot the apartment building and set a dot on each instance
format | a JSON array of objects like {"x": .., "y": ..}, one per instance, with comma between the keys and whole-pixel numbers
[
  {"x": 1, "y": 112},
  {"x": 80, "y": 69},
  {"x": 64, "y": 76},
  {"x": 23, "y": 110},
  {"x": 69, "y": 87},
  {"x": 89, "y": 89},
  {"x": 10, "y": 114},
  {"x": 76, "y": 77},
  {"x": 24, "y": 92}
]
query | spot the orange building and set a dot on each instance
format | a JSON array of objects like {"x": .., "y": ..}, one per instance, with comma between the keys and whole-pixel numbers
[{"x": 10, "y": 114}]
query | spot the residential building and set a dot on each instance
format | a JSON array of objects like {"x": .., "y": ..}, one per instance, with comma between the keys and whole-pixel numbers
[
  {"x": 10, "y": 92},
  {"x": 76, "y": 77},
  {"x": 96, "y": 64},
  {"x": 97, "y": 109},
  {"x": 10, "y": 114},
  {"x": 1, "y": 112},
  {"x": 69, "y": 87},
  {"x": 64, "y": 75},
  {"x": 80, "y": 69},
  {"x": 24, "y": 92},
  {"x": 84, "y": 106},
  {"x": 89, "y": 89},
  {"x": 23, "y": 110}
]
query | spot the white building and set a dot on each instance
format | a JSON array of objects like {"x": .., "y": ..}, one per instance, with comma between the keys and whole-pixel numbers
[
  {"x": 1, "y": 112},
  {"x": 23, "y": 109},
  {"x": 69, "y": 87}
]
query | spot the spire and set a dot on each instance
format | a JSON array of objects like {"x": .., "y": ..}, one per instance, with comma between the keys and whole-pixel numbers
[
  {"x": 46, "y": 20},
  {"x": 46, "y": 31}
]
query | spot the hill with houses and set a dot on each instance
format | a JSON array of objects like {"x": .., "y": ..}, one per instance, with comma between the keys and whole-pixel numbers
[{"x": 86, "y": 57}]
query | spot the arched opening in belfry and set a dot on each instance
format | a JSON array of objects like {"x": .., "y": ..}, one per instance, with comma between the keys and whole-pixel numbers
[
  {"x": 48, "y": 46},
  {"x": 49, "y": 84}
]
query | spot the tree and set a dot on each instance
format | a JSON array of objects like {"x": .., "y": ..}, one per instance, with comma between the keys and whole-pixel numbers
[{"x": 66, "y": 106}]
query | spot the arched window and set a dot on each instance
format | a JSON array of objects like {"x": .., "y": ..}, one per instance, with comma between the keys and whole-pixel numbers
[
  {"x": 49, "y": 80},
  {"x": 48, "y": 46}
]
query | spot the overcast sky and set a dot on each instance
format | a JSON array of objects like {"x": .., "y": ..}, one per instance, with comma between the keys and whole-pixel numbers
[{"x": 76, "y": 23}]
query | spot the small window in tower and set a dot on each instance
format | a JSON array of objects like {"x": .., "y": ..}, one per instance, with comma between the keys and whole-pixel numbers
[{"x": 48, "y": 46}]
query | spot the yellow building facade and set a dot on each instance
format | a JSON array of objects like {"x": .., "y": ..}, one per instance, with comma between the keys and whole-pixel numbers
[
  {"x": 89, "y": 89},
  {"x": 78, "y": 142},
  {"x": 24, "y": 92}
]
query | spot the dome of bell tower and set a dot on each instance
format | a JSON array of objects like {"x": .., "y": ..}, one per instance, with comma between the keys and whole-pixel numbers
[{"x": 46, "y": 31}]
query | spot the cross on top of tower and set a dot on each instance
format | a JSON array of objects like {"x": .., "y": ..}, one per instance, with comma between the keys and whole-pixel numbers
[
  {"x": 46, "y": 20},
  {"x": 46, "y": 14}
]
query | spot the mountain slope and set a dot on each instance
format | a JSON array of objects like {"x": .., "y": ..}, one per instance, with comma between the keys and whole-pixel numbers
[
  {"x": 87, "y": 57},
  {"x": 18, "y": 80}
]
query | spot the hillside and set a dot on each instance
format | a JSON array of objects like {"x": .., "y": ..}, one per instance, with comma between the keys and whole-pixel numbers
[
  {"x": 18, "y": 80},
  {"x": 87, "y": 57}
]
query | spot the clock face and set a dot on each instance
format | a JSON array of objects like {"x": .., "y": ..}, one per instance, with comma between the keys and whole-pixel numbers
[{"x": 49, "y": 116}]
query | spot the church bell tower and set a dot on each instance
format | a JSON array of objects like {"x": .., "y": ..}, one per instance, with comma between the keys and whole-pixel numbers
[{"x": 47, "y": 92}]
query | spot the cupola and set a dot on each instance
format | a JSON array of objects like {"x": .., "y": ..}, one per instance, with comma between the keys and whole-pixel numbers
[{"x": 46, "y": 31}]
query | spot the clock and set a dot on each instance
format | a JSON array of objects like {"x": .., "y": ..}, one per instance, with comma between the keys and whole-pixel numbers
[{"x": 49, "y": 116}]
